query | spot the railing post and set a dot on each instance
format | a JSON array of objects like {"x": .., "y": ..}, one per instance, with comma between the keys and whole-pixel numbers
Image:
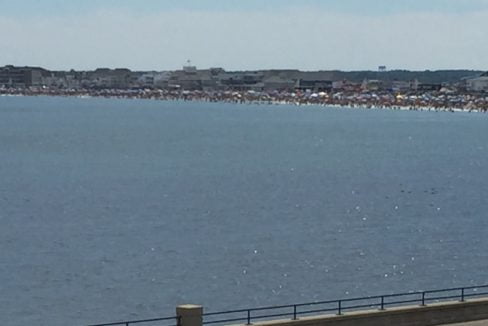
[
  {"x": 249, "y": 317},
  {"x": 462, "y": 294},
  {"x": 382, "y": 303},
  {"x": 423, "y": 298},
  {"x": 339, "y": 308},
  {"x": 190, "y": 315},
  {"x": 294, "y": 312}
]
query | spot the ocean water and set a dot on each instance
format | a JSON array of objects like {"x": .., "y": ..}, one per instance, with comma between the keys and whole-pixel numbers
[{"x": 122, "y": 209}]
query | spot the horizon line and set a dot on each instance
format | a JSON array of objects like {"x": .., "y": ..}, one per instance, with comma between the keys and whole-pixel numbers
[{"x": 256, "y": 69}]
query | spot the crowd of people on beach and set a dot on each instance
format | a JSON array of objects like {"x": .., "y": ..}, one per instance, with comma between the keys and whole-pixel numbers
[{"x": 429, "y": 100}]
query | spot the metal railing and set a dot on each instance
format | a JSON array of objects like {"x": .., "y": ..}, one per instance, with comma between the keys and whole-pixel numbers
[
  {"x": 380, "y": 302},
  {"x": 338, "y": 307},
  {"x": 143, "y": 322}
]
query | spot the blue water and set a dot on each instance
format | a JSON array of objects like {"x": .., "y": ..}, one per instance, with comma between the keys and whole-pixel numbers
[{"x": 122, "y": 209}]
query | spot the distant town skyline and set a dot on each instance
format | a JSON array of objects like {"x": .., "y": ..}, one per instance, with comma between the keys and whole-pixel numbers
[{"x": 240, "y": 35}]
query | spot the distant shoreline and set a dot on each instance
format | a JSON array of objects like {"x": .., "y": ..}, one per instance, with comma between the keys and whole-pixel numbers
[{"x": 418, "y": 101}]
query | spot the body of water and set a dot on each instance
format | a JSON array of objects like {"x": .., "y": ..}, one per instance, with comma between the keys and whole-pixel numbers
[{"x": 122, "y": 209}]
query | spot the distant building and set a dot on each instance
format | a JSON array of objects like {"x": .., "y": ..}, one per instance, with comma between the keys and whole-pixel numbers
[
  {"x": 110, "y": 78},
  {"x": 278, "y": 83},
  {"x": 372, "y": 85},
  {"x": 427, "y": 87},
  {"x": 146, "y": 79},
  {"x": 21, "y": 76},
  {"x": 479, "y": 84},
  {"x": 345, "y": 85},
  {"x": 189, "y": 69},
  {"x": 161, "y": 79},
  {"x": 62, "y": 79},
  {"x": 241, "y": 81},
  {"x": 382, "y": 68},
  {"x": 186, "y": 79},
  {"x": 319, "y": 81},
  {"x": 401, "y": 85},
  {"x": 190, "y": 78}
]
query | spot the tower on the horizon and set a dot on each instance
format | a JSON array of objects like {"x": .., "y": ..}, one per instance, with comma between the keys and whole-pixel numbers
[{"x": 189, "y": 68}]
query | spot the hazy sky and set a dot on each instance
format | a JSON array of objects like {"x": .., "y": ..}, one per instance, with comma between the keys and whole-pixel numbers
[{"x": 245, "y": 34}]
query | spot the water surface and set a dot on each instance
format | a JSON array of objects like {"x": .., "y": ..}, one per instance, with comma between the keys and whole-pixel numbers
[{"x": 122, "y": 209}]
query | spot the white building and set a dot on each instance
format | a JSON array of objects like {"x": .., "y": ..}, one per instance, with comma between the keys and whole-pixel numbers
[
  {"x": 161, "y": 79},
  {"x": 479, "y": 84}
]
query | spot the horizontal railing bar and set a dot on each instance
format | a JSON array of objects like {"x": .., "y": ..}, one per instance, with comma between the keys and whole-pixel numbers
[
  {"x": 295, "y": 305},
  {"x": 225, "y": 312},
  {"x": 224, "y": 320},
  {"x": 252, "y": 309},
  {"x": 444, "y": 297},
  {"x": 273, "y": 315},
  {"x": 315, "y": 303},
  {"x": 401, "y": 294},
  {"x": 360, "y": 306},
  {"x": 361, "y": 299},
  {"x": 384, "y": 296},
  {"x": 155, "y": 319},
  {"x": 331, "y": 301},
  {"x": 403, "y": 301},
  {"x": 270, "y": 307},
  {"x": 431, "y": 291},
  {"x": 136, "y": 321},
  {"x": 458, "y": 289},
  {"x": 316, "y": 310},
  {"x": 442, "y": 290}
]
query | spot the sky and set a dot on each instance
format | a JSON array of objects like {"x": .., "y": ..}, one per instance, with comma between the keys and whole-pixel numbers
[{"x": 245, "y": 34}]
